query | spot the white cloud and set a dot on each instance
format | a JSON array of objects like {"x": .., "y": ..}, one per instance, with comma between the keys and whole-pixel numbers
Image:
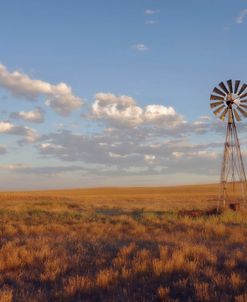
[
  {"x": 123, "y": 110},
  {"x": 177, "y": 154},
  {"x": 60, "y": 97},
  {"x": 240, "y": 18},
  {"x": 64, "y": 104},
  {"x": 201, "y": 154},
  {"x": 116, "y": 155},
  {"x": 34, "y": 116},
  {"x": 110, "y": 98},
  {"x": 49, "y": 146},
  {"x": 29, "y": 134},
  {"x": 151, "y": 22},
  {"x": 149, "y": 158},
  {"x": 156, "y": 113},
  {"x": 140, "y": 47},
  {"x": 207, "y": 154},
  {"x": 151, "y": 11},
  {"x": 136, "y": 170},
  {"x": 5, "y": 127}
]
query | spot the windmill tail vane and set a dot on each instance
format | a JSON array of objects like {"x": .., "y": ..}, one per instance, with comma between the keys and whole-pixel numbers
[{"x": 229, "y": 103}]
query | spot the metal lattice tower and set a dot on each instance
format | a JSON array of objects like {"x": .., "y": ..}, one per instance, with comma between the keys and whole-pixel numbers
[{"x": 229, "y": 103}]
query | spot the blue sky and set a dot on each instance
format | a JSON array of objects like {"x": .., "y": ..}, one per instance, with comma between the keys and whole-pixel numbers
[{"x": 167, "y": 54}]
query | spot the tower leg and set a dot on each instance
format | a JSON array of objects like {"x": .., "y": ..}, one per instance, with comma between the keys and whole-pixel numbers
[
  {"x": 224, "y": 168},
  {"x": 233, "y": 178}
]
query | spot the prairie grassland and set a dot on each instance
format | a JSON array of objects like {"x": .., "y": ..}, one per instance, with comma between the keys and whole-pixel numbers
[{"x": 122, "y": 244}]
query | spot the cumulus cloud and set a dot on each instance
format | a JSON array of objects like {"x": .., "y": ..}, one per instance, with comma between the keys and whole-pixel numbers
[
  {"x": 114, "y": 153},
  {"x": 151, "y": 11},
  {"x": 159, "y": 114},
  {"x": 60, "y": 97},
  {"x": 72, "y": 147},
  {"x": 34, "y": 116},
  {"x": 29, "y": 134},
  {"x": 120, "y": 109},
  {"x": 149, "y": 158},
  {"x": 123, "y": 110},
  {"x": 151, "y": 22},
  {"x": 202, "y": 154},
  {"x": 240, "y": 18},
  {"x": 140, "y": 47}
]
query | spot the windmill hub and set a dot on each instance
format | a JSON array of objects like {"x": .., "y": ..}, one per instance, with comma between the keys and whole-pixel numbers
[{"x": 229, "y": 101}]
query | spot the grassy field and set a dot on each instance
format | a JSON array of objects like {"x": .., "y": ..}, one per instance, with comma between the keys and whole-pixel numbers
[{"x": 120, "y": 244}]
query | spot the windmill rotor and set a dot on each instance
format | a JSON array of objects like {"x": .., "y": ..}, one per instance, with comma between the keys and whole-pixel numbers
[
  {"x": 230, "y": 96},
  {"x": 228, "y": 101}
]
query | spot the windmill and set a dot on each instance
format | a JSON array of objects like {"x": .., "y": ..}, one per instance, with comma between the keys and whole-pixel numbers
[{"x": 229, "y": 103}]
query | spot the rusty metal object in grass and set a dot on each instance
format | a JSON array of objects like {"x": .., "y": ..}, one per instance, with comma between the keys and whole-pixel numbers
[
  {"x": 196, "y": 213},
  {"x": 235, "y": 206}
]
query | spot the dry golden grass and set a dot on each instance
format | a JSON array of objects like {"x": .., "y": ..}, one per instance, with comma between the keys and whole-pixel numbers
[{"x": 122, "y": 244}]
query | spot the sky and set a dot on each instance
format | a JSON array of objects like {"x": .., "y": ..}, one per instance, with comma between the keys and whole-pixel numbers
[{"x": 115, "y": 92}]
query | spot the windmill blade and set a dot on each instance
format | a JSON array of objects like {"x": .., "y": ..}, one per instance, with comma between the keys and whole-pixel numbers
[
  {"x": 216, "y": 104},
  {"x": 216, "y": 90},
  {"x": 218, "y": 110},
  {"x": 215, "y": 97},
  {"x": 242, "y": 111},
  {"x": 244, "y": 106},
  {"x": 229, "y": 83},
  {"x": 242, "y": 89},
  {"x": 236, "y": 115},
  {"x": 222, "y": 117},
  {"x": 230, "y": 117},
  {"x": 243, "y": 96},
  {"x": 223, "y": 87},
  {"x": 237, "y": 83}
]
